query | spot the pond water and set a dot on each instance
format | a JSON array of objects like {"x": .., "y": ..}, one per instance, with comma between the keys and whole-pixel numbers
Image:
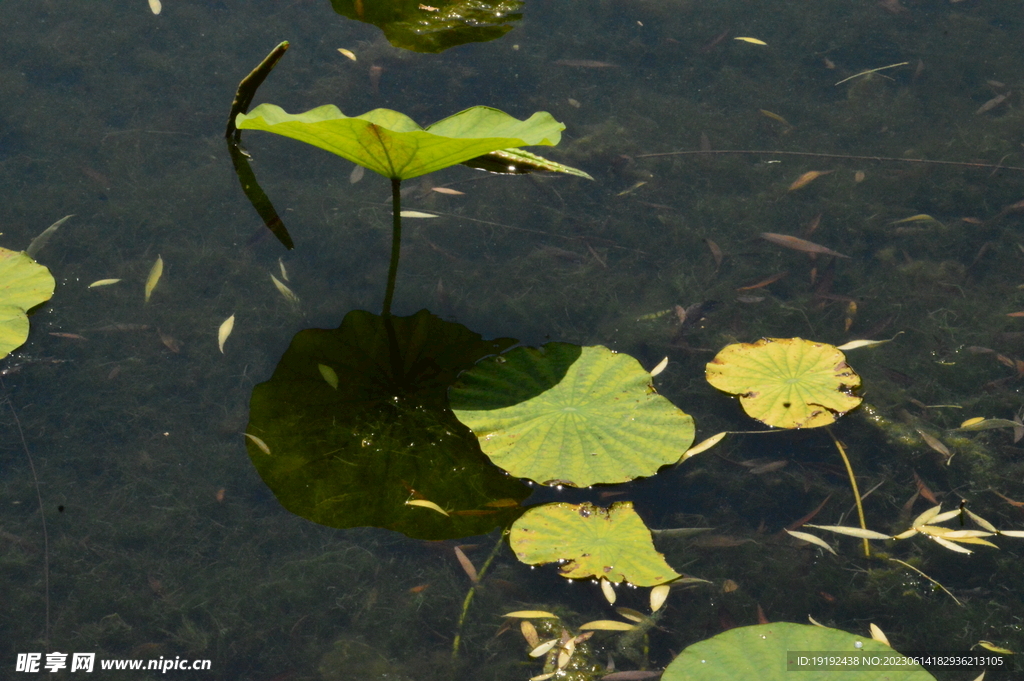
[{"x": 122, "y": 422}]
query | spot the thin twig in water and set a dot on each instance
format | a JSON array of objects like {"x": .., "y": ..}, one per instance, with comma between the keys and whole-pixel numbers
[{"x": 42, "y": 514}]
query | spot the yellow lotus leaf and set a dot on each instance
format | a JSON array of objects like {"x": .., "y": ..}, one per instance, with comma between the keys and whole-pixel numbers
[{"x": 787, "y": 382}]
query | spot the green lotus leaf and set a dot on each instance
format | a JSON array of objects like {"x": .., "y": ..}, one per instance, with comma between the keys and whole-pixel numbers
[
  {"x": 768, "y": 652},
  {"x": 613, "y": 543},
  {"x": 23, "y": 284},
  {"x": 562, "y": 414},
  {"x": 412, "y": 25},
  {"x": 787, "y": 382},
  {"x": 392, "y": 144}
]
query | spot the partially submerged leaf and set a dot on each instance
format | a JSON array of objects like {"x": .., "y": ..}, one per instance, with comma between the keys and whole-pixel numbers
[
  {"x": 606, "y": 625},
  {"x": 44, "y": 236},
  {"x": 858, "y": 532},
  {"x": 704, "y": 445},
  {"x": 155, "y": 273},
  {"x": 423, "y": 503},
  {"x": 811, "y": 539}
]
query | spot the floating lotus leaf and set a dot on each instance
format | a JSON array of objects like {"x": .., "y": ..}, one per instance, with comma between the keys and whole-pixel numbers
[
  {"x": 23, "y": 284},
  {"x": 394, "y": 145},
  {"x": 612, "y": 543},
  {"x": 562, "y": 414},
  {"x": 787, "y": 382},
  {"x": 768, "y": 652}
]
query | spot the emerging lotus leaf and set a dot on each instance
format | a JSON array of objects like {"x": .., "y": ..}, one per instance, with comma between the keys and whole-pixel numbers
[
  {"x": 613, "y": 543},
  {"x": 787, "y": 382},
  {"x": 23, "y": 284},
  {"x": 564, "y": 414},
  {"x": 394, "y": 145}
]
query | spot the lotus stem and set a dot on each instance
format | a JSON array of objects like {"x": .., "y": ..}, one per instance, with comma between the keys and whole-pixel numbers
[
  {"x": 853, "y": 484},
  {"x": 472, "y": 590},
  {"x": 396, "y": 243}
]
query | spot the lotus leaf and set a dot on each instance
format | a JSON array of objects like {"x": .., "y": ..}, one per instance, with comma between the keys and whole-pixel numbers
[
  {"x": 392, "y": 144},
  {"x": 612, "y": 543},
  {"x": 767, "y": 652},
  {"x": 787, "y": 382},
  {"x": 23, "y": 284},
  {"x": 563, "y": 414}
]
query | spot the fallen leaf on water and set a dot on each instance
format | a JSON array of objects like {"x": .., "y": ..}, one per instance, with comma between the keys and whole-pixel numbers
[
  {"x": 807, "y": 178},
  {"x": 877, "y": 634},
  {"x": 529, "y": 633},
  {"x": 661, "y": 367},
  {"x": 703, "y": 445},
  {"x": 348, "y": 53},
  {"x": 775, "y": 117},
  {"x": 285, "y": 291},
  {"x": 259, "y": 443},
  {"x": 154, "y": 276},
  {"x": 728, "y": 586},
  {"x": 531, "y": 614},
  {"x": 446, "y": 190},
  {"x": 467, "y": 565},
  {"x": 284, "y": 272},
  {"x": 920, "y": 217},
  {"x": 752, "y": 41},
  {"x": 423, "y": 503},
  {"x": 40, "y": 241},
  {"x": 606, "y": 625},
  {"x": 170, "y": 342},
  {"x": 811, "y": 539},
  {"x": 329, "y": 374},
  {"x": 103, "y": 282},
  {"x": 935, "y": 444},
  {"x": 608, "y": 590},
  {"x": 856, "y": 344},
  {"x": 73, "y": 336},
  {"x": 716, "y": 252},
  {"x": 417, "y": 214},
  {"x": 764, "y": 282},
  {"x": 155, "y": 6},
  {"x": 658, "y": 596},
  {"x": 357, "y": 174},
  {"x": 798, "y": 244},
  {"x": 225, "y": 330}
]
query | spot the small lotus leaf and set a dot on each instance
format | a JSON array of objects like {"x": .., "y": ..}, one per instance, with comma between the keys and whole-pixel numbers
[
  {"x": 612, "y": 543},
  {"x": 23, "y": 284},
  {"x": 787, "y": 382},
  {"x": 392, "y": 144},
  {"x": 768, "y": 652},
  {"x": 563, "y": 414}
]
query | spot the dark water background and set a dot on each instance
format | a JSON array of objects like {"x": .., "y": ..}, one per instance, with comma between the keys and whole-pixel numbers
[{"x": 163, "y": 541}]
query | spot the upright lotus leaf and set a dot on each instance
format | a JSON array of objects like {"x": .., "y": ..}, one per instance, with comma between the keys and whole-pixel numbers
[
  {"x": 23, "y": 284},
  {"x": 413, "y": 25},
  {"x": 787, "y": 382},
  {"x": 562, "y": 414},
  {"x": 354, "y": 423},
  {"x": 591, "y": 541},
  {"x": 769, "y": 652},
  {"x": 392, "y": 144}
]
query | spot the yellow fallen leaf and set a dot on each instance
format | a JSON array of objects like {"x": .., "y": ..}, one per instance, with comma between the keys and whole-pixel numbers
[
  {"x": 807, "y": 178},
  {"x": 704, "y": 445},
  {"x": 606, "y": 625},
  {"x": 417, "y": 214},
  {"x": 423, "y": 503},
  {"x": 155, "y": 6},
  {"x": 284, "y": 272},
  {"x": 877, "y": 634},
  {"x": 225, "y": 330},
  {"x": 851, "y": 531},
  {"x": 658, "y": 596},
  {"x": 259, "y": 443},
  {"x": 103, "y": 282},
  {"x": 446, "y": 190},
  {"x": 530, "y": 633},
  {"x": 154, "y": 276},
  {"x": 856, "y": 344},
  {"x": 775, "y": 117},
  {"x": 752, "y": 41},
  {"x": 348, "y": 53},
  {"x": 608, "y": 590},
  {"x": 970, "y": 422},
  {"x": 920, "y": 217},
  {"x": 531, "y": 614},
  {"x": 661, "y": 367},
  {"x": 811, "y": 539},
  {"x": 543, "y": 648},
  {"x": 285, "y": 291}
]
